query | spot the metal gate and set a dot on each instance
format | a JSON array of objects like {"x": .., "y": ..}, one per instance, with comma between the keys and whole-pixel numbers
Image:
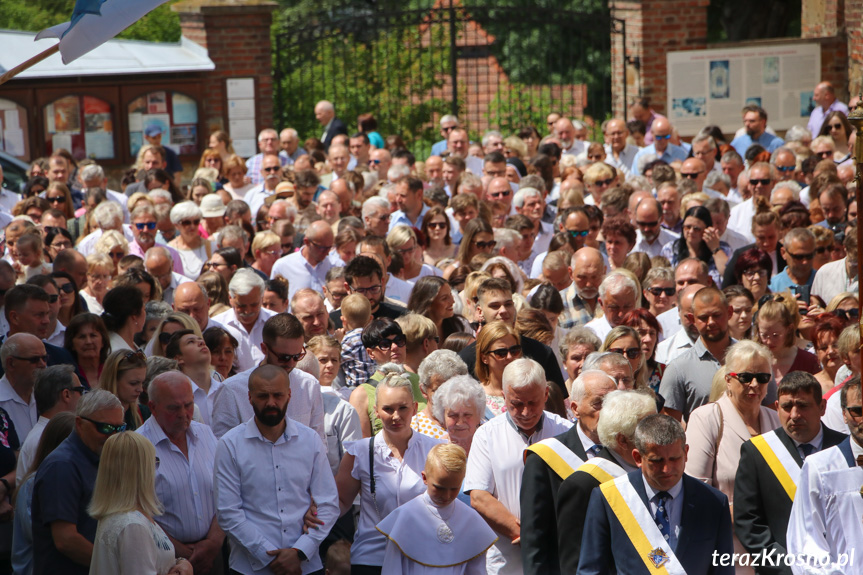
[{"x": 500, "y": 64}]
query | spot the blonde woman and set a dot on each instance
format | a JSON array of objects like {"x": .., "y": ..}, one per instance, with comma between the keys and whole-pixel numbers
[
  {"x": 267, "y": 248},
  {"x": 128, "y": 539},
  {"x": 100, "y": 272},
  {"x": 626, "y": 341},
  {"x": 497, "y": 346},
  {"x": 171, "y": 323},
  {"x": 114, "y": 245},
  {"x": 123, "y": 375}
]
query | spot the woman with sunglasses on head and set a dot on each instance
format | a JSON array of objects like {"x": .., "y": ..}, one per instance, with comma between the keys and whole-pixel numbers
[
  {"x": 194, "y": 250},
  {"x": 436, "y": 230},
  {"x": 123, "y": 375},
  {"x": 477, "y": 238},
  {"x": 845, "y": 307},
  {"x": 124, "y": 316},
  {"x": 172, "y": 323},
  {"x": 497, "y": 346},
  {"x": 776, "y": 327}
]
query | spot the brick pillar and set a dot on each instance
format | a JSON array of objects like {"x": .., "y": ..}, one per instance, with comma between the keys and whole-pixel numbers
[
  {"x": 823, "y": 18},
  {"x": 236, "y": 34},
  {"x": 854, "y": 16},
  {"x": 653, "y": 29}
]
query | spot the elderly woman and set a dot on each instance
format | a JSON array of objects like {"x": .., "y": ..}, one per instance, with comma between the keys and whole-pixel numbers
[
  {"x": 267, "y": 249},
  {"x": 649, "y": 330},
  {"x": 114, "y": 245},
  {"x": 234, "y": 170},
  {"x": 597, "y": 179},
  {"x": 404, "y": 242},
  {"x": 497, "y": 346},
  {"x": 740, "y": 301},
  {"x": 753, "y": 270},
  {"x": 825, "y": 337},
  {"x": 699, "y": 240},
  {"x": 193, "y": 249},
  {"x": 578, "y": 343},
  {"x": 659, "y": 291},
  {"x": 100, "y": 271},
  {"x": 716, "y": 431},
  {"x": 87, "y": 340},
  {"x": 459, "y": 406},
  {"x": 777, "y": 329},
  {"x": 437, "y": 368}
]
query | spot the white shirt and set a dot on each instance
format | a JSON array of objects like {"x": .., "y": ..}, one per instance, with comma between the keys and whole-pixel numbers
[
  {"x": 670, "y": 349},
  {"x": 130, "y": 543},
  {"x": 117, "y": 342},
  {"x": 92, "y": 305},
  {"x": 396, "y": 483},
  {"x": 833, "y": 417},
  {"x": 398, "y": 289},
  {"x": 734, "y": 240},
  {"x": 194, "y": 260},
  {"x": 495, "y": 464},
  {"x": 184, "y": 486},
  {"x": 669, "y": 321},
  {"x": 586, "y": 442},
  {"x": 300, "y": 273},
  {"x": 542, "y": 241},
  {"x": 176, "y": 279},
  {"x": 599, "y": 326},
  {"x": 425, "y": 270},
  {"x": 231, "y": 405},
  {"x": 28, "y": 448},
  {"x": 256, "y": 197},
  {"x": 249, "y": 352},
  {"x": 263, "y": 490},
  {"x": 652, "y": 250},
  {"x": 23, "y": 414},
  {"x": 740, "y": 220},
  {"x": 204, "y": 399},
  {"x": 624, "y": 160},
  {"x": 831, "y": 280},
  {"x": 341, "y": 423},
  {"x": 58, "y": 336}
]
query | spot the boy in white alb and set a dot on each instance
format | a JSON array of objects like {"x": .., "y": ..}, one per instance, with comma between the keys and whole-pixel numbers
[{"x": 436, "y": 533}]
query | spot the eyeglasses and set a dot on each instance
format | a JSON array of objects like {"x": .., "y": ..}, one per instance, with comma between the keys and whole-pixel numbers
[
  {"x": 212, "y": 265},
  {"x": 319, "y": 246},
  {"x": 855, "y": 410},
  {"x": 657, "y": 291},
  {"x": 106, "y": 428},
  {"x": 658, "y": 137},
  {"x": 485, "y": 245},
  {"x": 763, "y": 182},
  {"x": 286, "y": 247},
  {"x": 274, "y": 253},
  {"x": 801, "y": 257},
  {"x": 437, "y": 226},
  {"x": 693, "y": 229},
  {"x": 603, "y": 182},
  {"x": 286, "y": 357},
  {"x": 746, "y": 377},
  {"x": 385, "y": 344},
  {"x": 784, "y": 169},
  {"x": 502, "y": 194},
  {"x": 630, "y": 352},
  {"x": 146, "y": 225},
  {"x": 578, "y": 233},
  {"x": 66, "y": 288},
  {"x": 33, "y": 359},
  {"x": 754, "y": 273},
  {"x": 846, "y": 314},
  {"x": 503, "y": 352},
  {"x": 187, "y": 223},
  {"x": 691, "y": 175},
  {"x": 271, "y": 169},
  {"x": 647, "y": 224},
  {"x": 57, "y": 200},
  {"x": 366, "y": 291},
  {"x": 80, "y": 389},
  {"x": 59, "y": 246}
]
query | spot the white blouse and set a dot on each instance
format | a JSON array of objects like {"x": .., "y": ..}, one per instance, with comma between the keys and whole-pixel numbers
[{"x": 131, "y": 544}]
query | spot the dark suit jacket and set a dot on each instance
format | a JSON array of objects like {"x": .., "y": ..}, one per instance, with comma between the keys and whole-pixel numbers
[
  {"x": 535, "y": 350},
  {"x": 761, "y": 506},
  {"x": 728, "y": 278},
  {"x": 539, "y": 490},
  {"x": 336, "y": 127},
  {"x": 572, "y": 499},
  {"x": 705, "y": 527}
]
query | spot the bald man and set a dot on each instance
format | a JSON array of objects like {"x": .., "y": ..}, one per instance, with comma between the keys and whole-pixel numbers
[
  {"x": 325, "y": 114},
  {"x": 191, "y": 299},
  {"x": 160, "y": 264},
  {"x": 580, "y": 298},
  {"x": 308, "y": 267},
  {"x": 824, "y": 96},
  {"x": 500, "y": 191},
  {"x": 685, "y": 338},
  {"x": 569, "y": 144},
  {"x": 651, "y": 236},
  {"x": 661, "y": 148},
  {"x": 695, "y": 170},
  {"x": 618, "y": 154}
]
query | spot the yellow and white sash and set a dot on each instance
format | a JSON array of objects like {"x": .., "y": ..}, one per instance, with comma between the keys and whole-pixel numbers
[
  {"x": 558, "y": 456},
  {"x": 640, "y": 527},
  {"x": 602, "y": 469},
  {"x": 779, "y": 460}
]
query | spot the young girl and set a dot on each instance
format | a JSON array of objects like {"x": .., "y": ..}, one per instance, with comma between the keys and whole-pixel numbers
[{"x": 29, "y": 264}]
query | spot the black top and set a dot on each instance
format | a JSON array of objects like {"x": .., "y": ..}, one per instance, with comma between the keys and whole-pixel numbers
[
  {"x": 535, "y": 350},
  {"x": 728, "y": 278}
]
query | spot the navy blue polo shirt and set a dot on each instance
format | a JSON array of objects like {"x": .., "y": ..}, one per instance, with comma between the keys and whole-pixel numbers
[{"x": 62, "y": 492}]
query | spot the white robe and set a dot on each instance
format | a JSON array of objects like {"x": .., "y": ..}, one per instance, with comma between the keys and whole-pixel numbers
[
  {"x": 419, "y": 541},
  {"x": 826, "y": 515}
]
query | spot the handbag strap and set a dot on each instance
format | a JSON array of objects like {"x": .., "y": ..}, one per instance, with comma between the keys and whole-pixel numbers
[
  {"x": 717, "y": 442},
  {"x": 372, "y": 474}
]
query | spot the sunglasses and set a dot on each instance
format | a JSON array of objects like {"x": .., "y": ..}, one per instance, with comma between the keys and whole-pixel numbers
[
  {"x": 271, "y": 169},
  {"x": 823, "y": 155},
  {"x": 855, "y": 410},
  {"x": 503, "y": 194},
  {"x": 578, "y": 233},
  {"x": 691, "y": 175},
  {"x": 763, "y": 182},
  {"x": 657, "y": 291},
  {"x": 106, "y": 428},
  {"x": 437, "y": 226},
  {"x": 146, "y": 226},
  {"x": 286, "y": 357},
  {"x": 32, "y": 360},
  {"x": 801, "y": 257},
  {"x": 647, "y": 224},
  {"x": 836, "y": 126},
  {"x": 822, "y": 250},
  {"x": 784, "y": 169},
  {"x": 67, "y": 288},
  {"x": 603, "y": 182},
  {"x": 136, "y": 354},
  {"x": 386, "y": 344},
  {"x": 503, "y": 352},
  {"x": 80, "y": 389},
  {"x": 375, "y": 162},
  {"x": 485, "y": 245},
  {"x": 747, "y": 377},
  {"x": 658, "y": 137},
  {"x": 57, "y": 200},
  {"x": 187, "y": 223},
  {"x": 630, "y": 352},
  {"x": 846, "y": 314},
  {"x": 165, "y": 337}
]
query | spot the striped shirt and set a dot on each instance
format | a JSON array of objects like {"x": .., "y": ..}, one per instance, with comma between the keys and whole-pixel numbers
[{"x": 184, "y": 486}]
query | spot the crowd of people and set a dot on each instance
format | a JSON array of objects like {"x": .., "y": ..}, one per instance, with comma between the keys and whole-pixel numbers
[{"x": 533, "y": 353}]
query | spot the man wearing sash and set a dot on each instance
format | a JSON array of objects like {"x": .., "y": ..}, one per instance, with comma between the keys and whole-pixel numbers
[
  {"x": 825, "y": 529},
  {"x": 621, "y": 412},
  {"x": 656, "y": 520},
  {"x": 549, "y": 462},
  {"x": 495, "y": 464},
  {"x": 769, "y": 469}
]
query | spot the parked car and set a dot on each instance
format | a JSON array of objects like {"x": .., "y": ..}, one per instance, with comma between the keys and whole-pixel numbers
[{"x": 14, "y": 172}]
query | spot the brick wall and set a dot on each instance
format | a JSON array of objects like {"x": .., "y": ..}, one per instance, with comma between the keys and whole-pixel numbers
[
  {"x": 236, "y": 34},
  {"x": 854, "y": 33}
]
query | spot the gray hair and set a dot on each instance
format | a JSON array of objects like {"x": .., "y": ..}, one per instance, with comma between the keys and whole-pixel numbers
[
  {"x": 398, "y": 172},
  {"x": 617, "y": 283},
  {"x": 159, "y": 251},
  {"x": 523, "y": 373},
  {"x": 579, "y": 125},
  {"x": 532, "y": 181},
  {"x": 579, "y": 336},
  {"x": 92, "y": 172},
  {"x": 704, "y": 137},
  {"x": 448, "y": 118},
  {"x": 458, "y": 391},
  {"x": 740, "y": 356},
  {"x": 9, "y": 348},
  {"x": 310, "y": 365},
  {"x": 506, "y": 238},
  {"x": 657, "y": 275},
  {"x": 798, "y": 234},
  {"x": 578, "y": 390},
  {"x": 185, "y": 211},
  {"x": 373, "y": 204},
  {"x": 443, "y": 363},
  {"x": 717, "y": 206},
  {"x": 50, "y": 383},
  {"x": 232, "y": 233},
  {"x": 714, "y": 177},
  {"x": 97, "y": 400},
  {"x": 108, "y": 215},
  {"x": 797, "y": 133},
  {"x": 143, "y": 210},
  {"x": 523, "y": 194},
  {"x": 470, "y": 181},
  {"x": 156, "y": 366},
  {"x": 244, "y": 281},
  {"x": 621, "y": 412},
  {"x": 489, "y": 134},
  {"x": 599, "y": 358},
  {"x": 788, "y": 185},
  {"x": 161, "y": 194},
  {"x": 157, "y": 310},
  {"x": 659, "y": 430},
  {"x": 266, "y": 131}
]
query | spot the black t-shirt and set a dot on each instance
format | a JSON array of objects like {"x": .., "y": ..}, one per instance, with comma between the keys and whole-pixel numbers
[{"x": 384, "y": 310}]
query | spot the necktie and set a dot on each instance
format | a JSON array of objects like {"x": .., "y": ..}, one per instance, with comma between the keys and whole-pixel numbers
[
  {"x": 662, "y": 514},
  {"x": 807, "y": 449},
  {"x": 594, "y": 450},
  {"x": 860, "y": 461}
]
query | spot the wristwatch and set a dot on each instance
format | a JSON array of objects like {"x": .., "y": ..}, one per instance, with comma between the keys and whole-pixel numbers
[{"x": 716, "y": 250}]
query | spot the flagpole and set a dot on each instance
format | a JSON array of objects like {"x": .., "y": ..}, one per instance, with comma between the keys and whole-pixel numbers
[
  {"x": 856, "y": 119},
  {"x": 29, "y": 63}
]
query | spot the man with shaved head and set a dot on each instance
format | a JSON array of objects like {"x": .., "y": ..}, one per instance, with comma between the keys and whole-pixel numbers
[
  {"x": 325, "y": 114},
  {"x": 651, "y": 236},
  {"x": 824, "y": 96},
  {"x": 689, "y": 272},
  {"x": 695, "y": 170},
  {"x": 308, "y": 267},
  {"x": 272, "y": 468},
  {"x": 186, "y": 451},
  {"x": 580, "y": 299},
  {"x": 661, "y": 148},
  {"x": 500, "y": 191}
]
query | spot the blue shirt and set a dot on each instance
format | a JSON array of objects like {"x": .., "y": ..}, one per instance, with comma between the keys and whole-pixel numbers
[
  {"x": 399, "y": 218},
  {"x": 671, "y": 154},
  {"x": 781, "y": 281},
  {"x": 768, "y": 141},
  {"x": 62, "y": 492},
  {"x": 438, "y": 148}
]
